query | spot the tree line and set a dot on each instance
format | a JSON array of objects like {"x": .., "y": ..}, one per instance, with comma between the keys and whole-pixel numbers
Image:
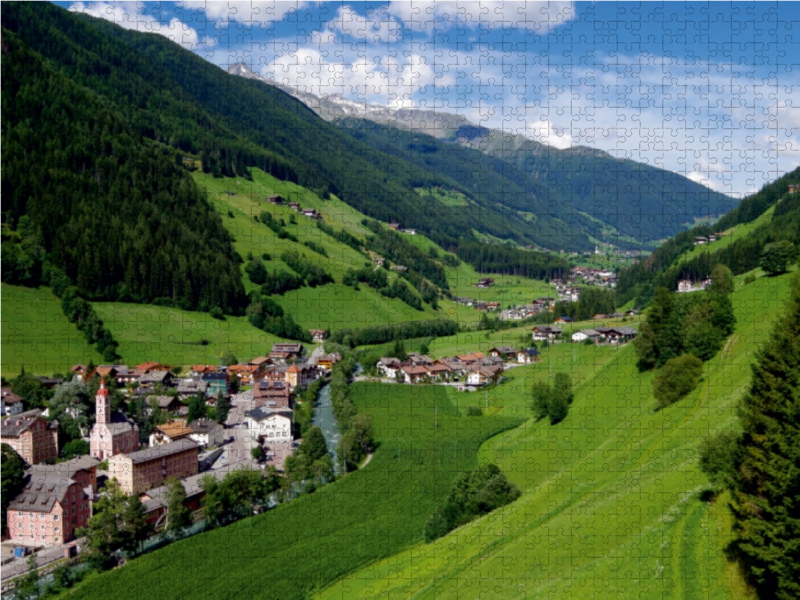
[
  {"x": 380, "y": 334},
  {"x": 758, "y": 462}
]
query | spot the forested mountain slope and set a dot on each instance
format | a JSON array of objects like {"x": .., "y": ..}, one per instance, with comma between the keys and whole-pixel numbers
[{"x": 579, "y": 186}]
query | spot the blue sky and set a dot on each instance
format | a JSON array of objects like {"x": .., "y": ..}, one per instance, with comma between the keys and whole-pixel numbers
[{"x": 702, "y": 89}]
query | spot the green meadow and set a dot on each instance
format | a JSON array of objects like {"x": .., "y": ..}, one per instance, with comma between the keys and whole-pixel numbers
[
  {"x": 302, "y": 546},
  {"x": 36, "y": 334},
  {"x": 614, "y": 504},
  {"x": 180, "y": 337}
]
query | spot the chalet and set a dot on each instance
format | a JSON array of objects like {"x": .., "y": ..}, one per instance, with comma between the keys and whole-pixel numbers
[
  {"x": 631, "y": 313},
  {"x": 528, "y": 356},
  {"x": 207, "y": 433},
  {"x": 465, "y": 301},
  {"x": 169, "y": 432},
  {"x": 611, "y": 335},
  {"x": 400, "y": 268},
  {"x": 419, "y": 359},
  {"x": 326, "y": 361},
  {"x": 300, "y": 376},
  {"x": 379, "y": 261},
  {"x": 200, "y": 370},
  {"x": 490, "y": 361},
  {"x": 627, "y": 334},
  {"x": 318, "y": 335},
  {"x": 164, "y": 378},
  {"x": 247, "y": 374},
  {"x": 481, "y": 305},
  {"x": 389, "y": 366},
  {"x": 504, "y": 352},
  {"x": 260, "y": 361},
  {"x": 439, "y": 371},
  {"x": 32, "y": 437},
  {"x": 276, "y": 373},
  {"x": 511, "y": 314},
  {"x": 492, "y": 306},
  {"x": 295, "y": 206},
  {"x": 794, "y": 188},
  {"x": 471, "y": 358},
  {"x": 545, "y": 302},
  {"x": 485, "y": 282},
  {"x": 599, "y": 317},
  {"x": 275, "y": 425},
  {"x": 146, "y": 367},
  {"x": 699, "y": 241},
  {"x": 409, "y": 231},
  {"x": 543, "y": 333},
  {"x": 156, "y": 500},
  {"x": 563, "y": 320},
  {"x": 456, "y": 366},
  {"x": 171, "y": 404},
  {"x": 685, "y": 286},
  {"x": 275, "y": 200},
  {"x": 484, "y": 376},
  {"x": 78, "y": 372},
  {"x": 272, "y": 394},
  {"x": 713, "y": 237},
  {"x": 414, "y": 373},
  {"x": 394, "y": 226},
  {"x": 103, "y": 371},
  {"x": 51, "y": 382},
  {"x": 284, "y": 352},
  {"x": 191, "y": 387},
  {"x": 587, "y": 334},
  {"x": 311, "y": 214},
  {"x": 12, "y": 404}
]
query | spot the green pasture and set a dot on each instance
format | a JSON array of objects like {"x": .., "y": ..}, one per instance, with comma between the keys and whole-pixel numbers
[
  {"x": 614, "y": 504},
  {"x": 36, "y": 334},
  {"x": 176, "y": 337},
  {"x": 301, "y": 547}
]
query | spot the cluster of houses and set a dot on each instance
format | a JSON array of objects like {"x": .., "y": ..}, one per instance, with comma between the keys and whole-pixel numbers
[
  {"x": 56, "y": 498},
  {"x": 599, "y": 335},
  {"x": 686, "y": 286},
  {"x": 529, "y": 310},
  {"x": 707, "y": 239},
  {"x": 475, "y": 369},
  {"x": 589, "y": 276},
  {"x": 295, "y": 206}
]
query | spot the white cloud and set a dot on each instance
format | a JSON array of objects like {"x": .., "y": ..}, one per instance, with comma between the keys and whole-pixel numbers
[
  {"x": 534, "y": 15},
  {"x": 132, "y": 15},
  {"x": 261, "y": 12},
  {"x": 374, "y": 28}
]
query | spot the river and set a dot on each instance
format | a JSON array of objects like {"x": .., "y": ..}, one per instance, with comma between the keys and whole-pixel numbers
[{"x": 326, "y": 421}]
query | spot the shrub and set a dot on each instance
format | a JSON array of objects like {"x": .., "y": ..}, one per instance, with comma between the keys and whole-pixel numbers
[
  {"x": 720, "y": 456},
  {"x": 216, "y": 313},
  {"x": 776, "y": 257},
  {"x": 474, "y": 411},
  {"x": 676, "y": 379}
]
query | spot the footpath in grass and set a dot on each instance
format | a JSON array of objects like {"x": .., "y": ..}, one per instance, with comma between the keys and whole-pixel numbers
[
  {"x": 305, "y": 545},
  {"x": 37, "y": 335},
  {"x": 613, "y": 503}
]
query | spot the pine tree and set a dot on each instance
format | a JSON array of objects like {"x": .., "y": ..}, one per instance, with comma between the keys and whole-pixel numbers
[{"x": 766, "y": 496}]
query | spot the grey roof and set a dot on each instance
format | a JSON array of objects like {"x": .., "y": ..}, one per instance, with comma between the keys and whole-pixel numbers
[
  {"x": 191, "y": 386},
  {"x": 121, "y": 423},
  {"x": 155, "y": 377},
  {"x": 65, "y": 470},
  {"x": 529, "y": 352},
  {"x": 590, "y": 332},
  {"x": 628, "y": 331},
  {"x": 148, "y": 454},
  {"x": 41, "y": 492},
  {"x": 203, "y": 425},
  {"x": 14, "y": 425},
  {"x": 263, "y": 412},
  {"x": 163, "y": 401}
]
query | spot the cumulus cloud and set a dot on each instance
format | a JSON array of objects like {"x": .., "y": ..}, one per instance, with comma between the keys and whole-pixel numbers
[
  {"x": 133, "y": 15},
  {"x": 534, "y": 15},
  {"x": 376, "y": 27},
  {"x": 261, "y": 12}
]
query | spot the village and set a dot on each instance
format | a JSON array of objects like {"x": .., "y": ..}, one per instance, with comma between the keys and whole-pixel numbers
[
  {"x": 259, "y": 431},
  {"x": 57, "y": 498}
]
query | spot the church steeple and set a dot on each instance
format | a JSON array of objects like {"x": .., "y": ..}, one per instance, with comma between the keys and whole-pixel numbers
[{"x": 103, "y": 408}]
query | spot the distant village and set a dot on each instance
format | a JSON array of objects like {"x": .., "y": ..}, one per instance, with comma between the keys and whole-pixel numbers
[{"x": 57, "y": 498}]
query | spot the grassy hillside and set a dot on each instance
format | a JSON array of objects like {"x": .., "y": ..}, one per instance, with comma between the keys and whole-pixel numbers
[
  {"x": 306, "y": 544},
  {"x": 614, "y": 503},
  {"x": 37, "y": 335},
  {"x": 180, "y": 337}
]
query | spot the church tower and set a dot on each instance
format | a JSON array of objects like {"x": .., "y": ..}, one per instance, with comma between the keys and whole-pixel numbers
[{"x": 103, "y": 404}]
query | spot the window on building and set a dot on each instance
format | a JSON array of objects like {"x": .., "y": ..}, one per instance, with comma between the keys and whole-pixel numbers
[{"x": 56, "y": 517}]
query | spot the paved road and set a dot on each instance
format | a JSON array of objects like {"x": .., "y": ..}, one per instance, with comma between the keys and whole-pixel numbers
[
  {"x": 19, "y": 566},
  {"x": 237, "y": 452}
]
